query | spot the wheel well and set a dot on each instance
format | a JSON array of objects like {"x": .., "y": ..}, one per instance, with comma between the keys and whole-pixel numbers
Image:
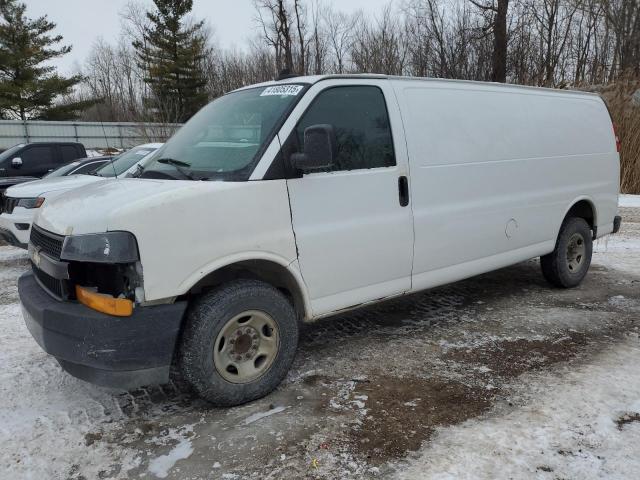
[
  {"x": 263, "y": 270},
  {"x": 584, "y": 209}
]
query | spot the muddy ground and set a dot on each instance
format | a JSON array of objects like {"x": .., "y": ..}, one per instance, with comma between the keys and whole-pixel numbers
[{"x": 368, "y": 393}]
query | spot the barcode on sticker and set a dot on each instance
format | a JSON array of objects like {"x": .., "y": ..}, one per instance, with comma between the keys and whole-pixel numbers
[{"x": 282, "y": 90}]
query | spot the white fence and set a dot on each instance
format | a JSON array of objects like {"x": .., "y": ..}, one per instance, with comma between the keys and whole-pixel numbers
[{"x": 91, "y": 134}]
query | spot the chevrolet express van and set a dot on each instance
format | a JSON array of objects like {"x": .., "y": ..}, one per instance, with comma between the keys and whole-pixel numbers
[{"x": 288, "y": 201}]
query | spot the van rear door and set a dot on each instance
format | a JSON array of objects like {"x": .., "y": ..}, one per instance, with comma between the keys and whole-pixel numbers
[{"x": 352, "y": 222}]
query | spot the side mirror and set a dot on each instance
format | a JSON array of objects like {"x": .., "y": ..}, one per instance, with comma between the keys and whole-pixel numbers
[
  {"x": 16, "y": 162},
  {"x": 320, "y": 149}
]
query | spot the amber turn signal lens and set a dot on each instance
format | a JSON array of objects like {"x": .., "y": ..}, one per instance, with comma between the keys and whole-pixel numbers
[{"x": 119, "y": 307}]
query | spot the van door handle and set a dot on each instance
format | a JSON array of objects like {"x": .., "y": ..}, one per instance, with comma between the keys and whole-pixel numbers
[{"x": 403, "y": 190}]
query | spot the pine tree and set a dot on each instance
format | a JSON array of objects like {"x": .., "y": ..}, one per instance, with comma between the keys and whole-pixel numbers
[
  {"x": 172, "y": 55},
  {"x": 29, "y": 87}
]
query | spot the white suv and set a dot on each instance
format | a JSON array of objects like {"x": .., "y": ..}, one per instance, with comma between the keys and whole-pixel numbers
[
  {"x": 293, "y": 200},
  {"x": 20, "y": 202}
]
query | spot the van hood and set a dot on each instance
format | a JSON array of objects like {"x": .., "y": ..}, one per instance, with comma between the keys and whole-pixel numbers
[
  {"x": 40, "y": 188},
  {"x": 116, "y": 205}
]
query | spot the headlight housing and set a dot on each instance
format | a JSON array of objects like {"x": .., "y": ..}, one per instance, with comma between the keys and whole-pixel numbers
[
  {"x": 35, "y": 202},
  {"x": 109, "y": 247}
]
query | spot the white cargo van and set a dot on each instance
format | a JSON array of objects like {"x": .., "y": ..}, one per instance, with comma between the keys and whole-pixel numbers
[{"x": 288, "y": 201}]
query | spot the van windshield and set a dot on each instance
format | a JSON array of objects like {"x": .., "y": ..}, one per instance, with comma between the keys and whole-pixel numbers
[
  {"x": 225, "y": 139},
  {"x": 124, "y": 162}
]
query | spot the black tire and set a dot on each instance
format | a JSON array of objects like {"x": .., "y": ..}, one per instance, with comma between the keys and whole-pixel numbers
[
  {"x": 206, "y": 318},
  {"x": 556, "y": 267}
]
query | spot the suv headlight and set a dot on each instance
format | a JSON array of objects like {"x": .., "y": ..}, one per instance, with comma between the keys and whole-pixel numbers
[
  {"x": 30, "y": 202},
  {"x": 109, "y": 247}
]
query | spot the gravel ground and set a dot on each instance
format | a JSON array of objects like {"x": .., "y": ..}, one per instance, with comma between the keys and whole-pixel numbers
[{"x": 499, "y": 376}]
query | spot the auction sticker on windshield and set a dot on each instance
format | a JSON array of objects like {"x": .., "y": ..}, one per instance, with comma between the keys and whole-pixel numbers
[{"x": 282, "y": 90}]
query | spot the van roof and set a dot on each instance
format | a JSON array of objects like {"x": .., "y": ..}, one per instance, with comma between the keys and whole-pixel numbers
[{"x": 312, "y": 79}]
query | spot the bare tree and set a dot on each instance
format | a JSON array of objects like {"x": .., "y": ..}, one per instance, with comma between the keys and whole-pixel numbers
[
  {"x": 340, "y": 28},
  {"x": 274, "y": 20}
]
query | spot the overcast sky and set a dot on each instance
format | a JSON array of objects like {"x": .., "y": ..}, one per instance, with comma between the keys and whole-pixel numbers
[{"x": 81, "y": 22}]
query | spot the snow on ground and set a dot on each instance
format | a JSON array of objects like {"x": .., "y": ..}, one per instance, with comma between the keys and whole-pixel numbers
[
  {"x": 333, "y": 414},
  {"x": 47, "y": 411},
  {"x": 8, "y": 254},
  {"x": 572, "y": 425},
  {"x": 161, "y": 465},
  {"x": 629, "y": 201},
  {"x": 621, "y": 251}
]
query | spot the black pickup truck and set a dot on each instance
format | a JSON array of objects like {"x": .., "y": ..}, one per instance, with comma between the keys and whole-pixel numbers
[{"x": 28, "y": 161}]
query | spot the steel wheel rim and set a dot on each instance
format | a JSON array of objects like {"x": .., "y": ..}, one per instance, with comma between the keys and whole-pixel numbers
[
  {"x": 246, "y": 346},
  {"x": 576, "y": 250}
]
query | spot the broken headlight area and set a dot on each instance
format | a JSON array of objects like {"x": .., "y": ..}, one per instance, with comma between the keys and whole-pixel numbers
[
  {"x": 117, "y": 280},
  {"x": 106, "y": 264}
]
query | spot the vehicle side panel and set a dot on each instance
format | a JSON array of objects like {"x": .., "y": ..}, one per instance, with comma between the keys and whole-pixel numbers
[
  {"x": 202, "y": 227},
  {"x": 494, "y": 170}
]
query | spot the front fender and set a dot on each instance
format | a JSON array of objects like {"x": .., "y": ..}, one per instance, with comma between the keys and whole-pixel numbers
[{"x": 210, "y": 268}]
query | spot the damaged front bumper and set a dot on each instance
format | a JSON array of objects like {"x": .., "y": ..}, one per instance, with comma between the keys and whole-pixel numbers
[{"x": 118, "y": 352}]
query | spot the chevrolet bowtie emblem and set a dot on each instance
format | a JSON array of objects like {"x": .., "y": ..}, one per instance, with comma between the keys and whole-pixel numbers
[{"x": 35, "y": 257}]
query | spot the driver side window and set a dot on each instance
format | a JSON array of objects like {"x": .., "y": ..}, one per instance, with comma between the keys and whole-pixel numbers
[{"x": 360, "y": 120}]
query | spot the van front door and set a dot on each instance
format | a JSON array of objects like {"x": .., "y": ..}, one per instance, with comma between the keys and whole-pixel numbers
[{"x": 352, "y": 222}]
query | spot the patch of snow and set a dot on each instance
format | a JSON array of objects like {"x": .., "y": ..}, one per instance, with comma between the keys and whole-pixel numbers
[
  {"x": 616, "y": 243},
  {"x": 260, "y": 415},
  {"x": 628, "y": 304},
  {"x": 568, "y": 427},
  {"x": 46, "y": 414},
  {"x": 161, "y": 465},
  {"x": 8, "y": 254},
  {"x": 629, "y": 201}
]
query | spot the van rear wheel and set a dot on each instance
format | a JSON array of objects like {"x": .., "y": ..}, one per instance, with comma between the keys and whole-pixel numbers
[
  {"x": 238, "y": 342},
  {"x": 569, "y": 262}
]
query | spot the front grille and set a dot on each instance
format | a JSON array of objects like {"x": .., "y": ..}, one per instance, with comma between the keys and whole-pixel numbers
[
  {"x": 53, "y": 285},
  {"x": 7, "y": 204},
  {"x": 49, "y": 243}
]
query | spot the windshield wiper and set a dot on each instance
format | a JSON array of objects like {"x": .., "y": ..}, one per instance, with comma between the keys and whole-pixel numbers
[
  {"x": 179, "y": 165},
  {"x": 138, "y": 172}
]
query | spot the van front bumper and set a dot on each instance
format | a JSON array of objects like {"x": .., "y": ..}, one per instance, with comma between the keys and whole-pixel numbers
[{"x": 117, "y": 352}]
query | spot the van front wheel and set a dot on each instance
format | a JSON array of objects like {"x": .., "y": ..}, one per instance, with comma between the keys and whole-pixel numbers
[
  {"x": 568, "y": 264},
  {"x": 238, "y": 342}
]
